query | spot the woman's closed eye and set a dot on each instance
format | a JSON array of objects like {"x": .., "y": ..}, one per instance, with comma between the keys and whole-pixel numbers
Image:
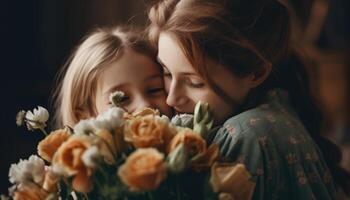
[{"x": 195, "y": 83}]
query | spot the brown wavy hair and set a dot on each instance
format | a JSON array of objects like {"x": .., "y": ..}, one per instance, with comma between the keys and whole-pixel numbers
[{"x": 246, "y": 36}]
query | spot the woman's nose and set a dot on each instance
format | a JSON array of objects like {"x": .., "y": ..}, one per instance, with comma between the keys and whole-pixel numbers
[{"x": 176, "y": 96}]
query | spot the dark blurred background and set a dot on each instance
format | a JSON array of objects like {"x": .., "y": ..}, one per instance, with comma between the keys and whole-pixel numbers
[{"x": 38, "y": 36}]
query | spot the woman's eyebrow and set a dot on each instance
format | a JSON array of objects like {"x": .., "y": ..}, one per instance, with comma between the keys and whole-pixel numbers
[{"x": 182, "y": 73}]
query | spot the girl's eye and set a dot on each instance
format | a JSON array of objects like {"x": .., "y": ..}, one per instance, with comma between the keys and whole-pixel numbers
[
  {"x": 155, "y": 91},
  {"x": 166, "y": 75}
]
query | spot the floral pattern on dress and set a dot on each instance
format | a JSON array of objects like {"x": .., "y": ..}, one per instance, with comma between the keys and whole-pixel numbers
[{"x": 277, "y": 150}]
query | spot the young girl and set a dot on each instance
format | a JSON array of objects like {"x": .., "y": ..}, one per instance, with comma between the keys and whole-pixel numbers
[
  {"x": 110, "y": 60},
  {"x": 236, "y": 56}
]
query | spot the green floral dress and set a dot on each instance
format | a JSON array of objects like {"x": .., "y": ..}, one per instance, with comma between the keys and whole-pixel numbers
[{"x": 277, "y": 150}]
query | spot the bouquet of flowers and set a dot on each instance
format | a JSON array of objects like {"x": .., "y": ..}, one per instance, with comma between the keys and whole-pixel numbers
[{"x": 120, "y": 155}]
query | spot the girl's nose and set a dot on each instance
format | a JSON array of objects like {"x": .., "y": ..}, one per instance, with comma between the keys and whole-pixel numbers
[{"x": 141, "y": 103}]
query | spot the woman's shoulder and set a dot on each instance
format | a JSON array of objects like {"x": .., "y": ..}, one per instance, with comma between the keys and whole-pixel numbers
[
  {"x": 274, "y": 121},
  {"x": 274, "y": 114},
  {"x": 262, "y": 120}
]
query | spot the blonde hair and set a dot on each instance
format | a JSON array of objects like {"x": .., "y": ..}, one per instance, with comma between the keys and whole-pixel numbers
[{"x": 76, "y": 93}]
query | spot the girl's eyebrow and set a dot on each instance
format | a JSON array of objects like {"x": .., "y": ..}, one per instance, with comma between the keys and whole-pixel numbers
[
  {"x": 114, "y": 88},
  {"x": 154, "y": 77}
]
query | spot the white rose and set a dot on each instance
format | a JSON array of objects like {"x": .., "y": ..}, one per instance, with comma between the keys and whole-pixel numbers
[
  {"x": 32, "y": 169},
  {"x": 90, "y": 157},
  {"x": 111, "y": 119},
  {"x": 38, "y": 118},
  {"x": 85, "y": 127}
]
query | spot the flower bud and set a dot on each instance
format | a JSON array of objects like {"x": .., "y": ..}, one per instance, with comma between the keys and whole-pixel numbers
[
  {"x": 116, "y": 98},
  {"x": 20, "y": 117},
  {"x": 203, "y": 119},
  {"x": 178, "y": 159}
]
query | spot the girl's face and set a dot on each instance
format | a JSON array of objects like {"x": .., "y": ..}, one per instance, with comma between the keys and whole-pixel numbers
[
  {"x": 186, "y": 87},
  {"x": 139, "y": 78}
]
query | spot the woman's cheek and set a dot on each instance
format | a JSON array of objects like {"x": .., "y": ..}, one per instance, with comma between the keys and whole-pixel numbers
[{"x": 219, "y": 107}]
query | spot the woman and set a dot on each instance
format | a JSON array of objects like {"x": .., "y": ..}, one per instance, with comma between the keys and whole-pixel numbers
[{"x": 236, "y": 56}]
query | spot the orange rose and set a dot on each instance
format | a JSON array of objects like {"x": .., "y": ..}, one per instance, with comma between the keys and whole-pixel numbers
[
  {"x": 82, "y": 183},
  {"x": 148, "y": 131},
  {"x": 193, "y": 142},
  {"x": 69, "y": 154},
  {"x": 50, "y": 181},
  {"x": 119, "y": 140},
  {"x": 107, "y": 146},
  {"x": 127, "y": 116},
  {"x": 69, "y": 159},
  {"x": 48, "y": 146},
  {"x": 143, "y": 170},
  {"x": 115, "y": 141},
  {"x": 145, "y": 111},
  {"x": 233, "y": 179},
  {"x": 29, "y": 191},
  {"x": 141, "y": 113}
]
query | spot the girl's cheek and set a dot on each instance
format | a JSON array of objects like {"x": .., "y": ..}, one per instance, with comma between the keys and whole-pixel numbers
[
  {"x": 164, "y": 108},
  {"x": 167, "y": 83}
]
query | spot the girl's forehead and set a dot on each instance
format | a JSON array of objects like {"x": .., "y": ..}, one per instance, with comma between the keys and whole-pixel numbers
[{"x": 129, "y": 69}]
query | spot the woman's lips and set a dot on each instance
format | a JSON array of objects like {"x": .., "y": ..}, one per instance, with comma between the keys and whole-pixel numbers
[{"x": 179, "y": 111}]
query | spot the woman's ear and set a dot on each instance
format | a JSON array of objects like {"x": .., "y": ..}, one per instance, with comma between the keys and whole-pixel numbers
[{"x": 260, "y": 76}]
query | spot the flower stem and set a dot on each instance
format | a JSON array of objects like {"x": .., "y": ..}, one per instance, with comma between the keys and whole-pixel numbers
[
  {"x": 43, "y": 130},
  {"x": 178, "y": 191},
  {"x": 109, "y": 147},
  {"x": 150, "y": 196},
  {"x": 85, "y": 196}
]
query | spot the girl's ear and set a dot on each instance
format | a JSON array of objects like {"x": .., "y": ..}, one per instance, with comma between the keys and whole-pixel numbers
[{"x": 260, "y": 76}]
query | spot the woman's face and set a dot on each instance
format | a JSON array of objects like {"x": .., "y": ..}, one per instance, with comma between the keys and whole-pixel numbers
[
  {"x": 186, "y": 87},
  {"x": 139, "y": 77}
]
